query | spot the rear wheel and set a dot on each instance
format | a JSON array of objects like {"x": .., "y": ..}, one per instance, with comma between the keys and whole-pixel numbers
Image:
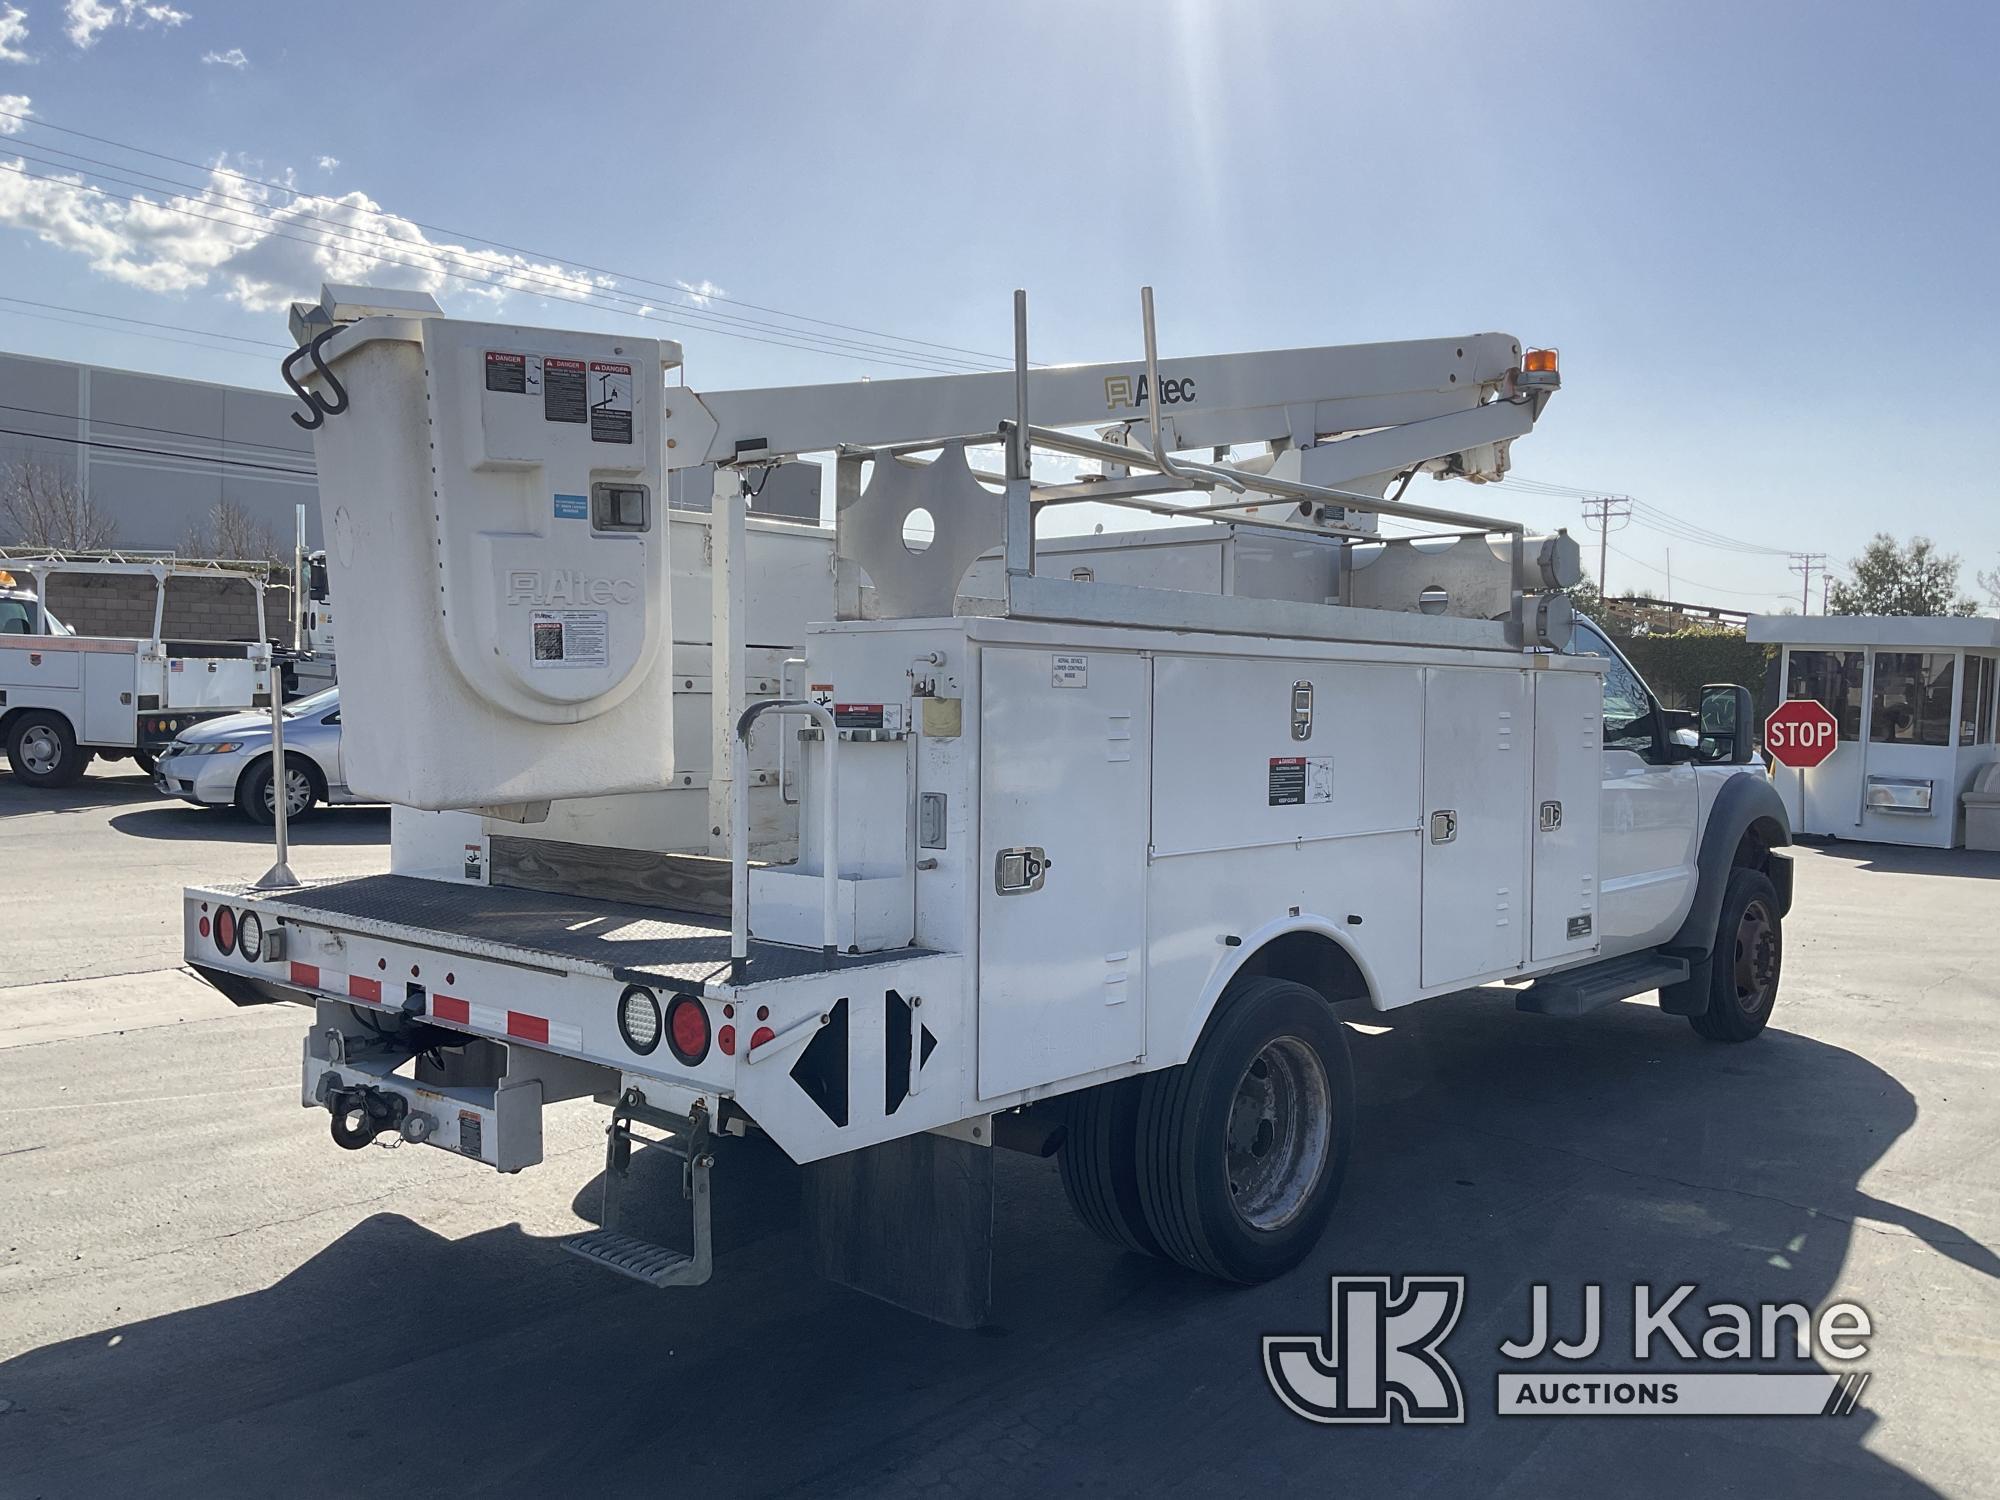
[
  {"x": 257, "y": 800},
  {"x": 43, "y": 750},
  {"x": 1748, "y": 960},
  {"x": 145, "y": 760},
  {"x": 1242, "y": 1149},
  {"x": 1100, "y": 1164}
]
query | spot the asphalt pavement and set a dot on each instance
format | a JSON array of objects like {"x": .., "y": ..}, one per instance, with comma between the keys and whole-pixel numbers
[{"x": 200, "y": 1295}]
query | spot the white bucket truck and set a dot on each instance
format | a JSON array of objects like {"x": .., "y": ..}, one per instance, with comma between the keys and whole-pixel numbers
[{"x": 1078, "y": 863}]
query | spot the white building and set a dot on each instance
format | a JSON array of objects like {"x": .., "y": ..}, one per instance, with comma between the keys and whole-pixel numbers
[
  {"x": 1915, "y": 699},
  {"x": 154, "y": 453}
]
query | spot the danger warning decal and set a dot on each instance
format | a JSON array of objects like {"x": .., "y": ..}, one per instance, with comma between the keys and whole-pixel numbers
[
  {"x": 1299, "y": 779},
  {"x": 565, "y": 397},
  {"x": 506, "y": 373},
  {"x": 610, "y": 402}
]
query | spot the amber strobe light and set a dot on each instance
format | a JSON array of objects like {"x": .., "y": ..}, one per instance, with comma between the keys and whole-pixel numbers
[{"x": 1539, "y": 362}]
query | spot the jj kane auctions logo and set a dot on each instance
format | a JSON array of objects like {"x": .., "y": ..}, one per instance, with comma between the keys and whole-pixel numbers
[{"x": 1382, "y": 1357}]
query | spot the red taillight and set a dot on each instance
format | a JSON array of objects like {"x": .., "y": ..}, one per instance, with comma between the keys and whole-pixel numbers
[
  {"x": 687, "y": 1029},
  {"x": 762, "y": 1035},
  {"x": 225, "y": 929},
  {"x": 726, "y": 1040},
  {"x": 202, "y": 927}
]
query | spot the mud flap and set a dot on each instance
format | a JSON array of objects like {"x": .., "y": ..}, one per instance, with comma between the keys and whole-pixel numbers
[{"x": 909, "y": 1221}]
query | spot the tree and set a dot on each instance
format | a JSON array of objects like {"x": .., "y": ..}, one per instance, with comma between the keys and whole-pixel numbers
[
  {"x": 229, "y": 531},
  {"x": 42, "y": 507},
  {"x": 1991, "y": 583},
  {"x": 1891, "y": 578}
]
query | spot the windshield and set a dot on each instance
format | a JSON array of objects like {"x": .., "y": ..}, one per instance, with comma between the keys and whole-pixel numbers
[
  {"x": 17, "y": 617},
  {"x": 318, "y": 703}
]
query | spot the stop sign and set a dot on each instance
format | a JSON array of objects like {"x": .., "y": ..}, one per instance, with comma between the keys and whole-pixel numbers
[{"x": 1801, "y": 733}]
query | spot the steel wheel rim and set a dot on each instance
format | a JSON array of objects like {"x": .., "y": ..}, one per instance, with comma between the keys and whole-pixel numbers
[
  {"x": 1756, "y": 956},
  {"x": 298, "y": 792},
  {"x": 1280, "y": 1134},
  {"x": 41, "y": 750}
]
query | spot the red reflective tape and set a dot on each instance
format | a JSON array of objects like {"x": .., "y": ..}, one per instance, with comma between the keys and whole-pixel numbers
[
  {"x": 365, "y": 989},
  {"x": 306, "y": 975},
  {"x": 451, "y": 1008},
  {"x": 527, "y": 1028}
]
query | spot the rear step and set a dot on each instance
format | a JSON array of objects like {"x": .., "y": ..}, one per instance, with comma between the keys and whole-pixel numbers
[
  {"x": 1575, "y": 992},
  {"x": 628, "y": 1255}
]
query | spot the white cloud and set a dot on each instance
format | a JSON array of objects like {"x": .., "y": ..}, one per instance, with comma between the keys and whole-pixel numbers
[
  {"x": 261, "y": 248},
  {"x": 13, "y": 32},
  {"x": 328, "y": 163},
  {"x": 90, "y": 19},
  {"x": 11, "y": 106},
  {"x": 233, "y": 58},
  {"x": 701, "y": 293}
]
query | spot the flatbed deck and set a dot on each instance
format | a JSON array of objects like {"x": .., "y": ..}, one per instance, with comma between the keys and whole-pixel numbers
[{"x": 617, "y": 939}]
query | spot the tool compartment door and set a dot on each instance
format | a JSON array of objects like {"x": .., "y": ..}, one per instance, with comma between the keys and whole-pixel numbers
[
  {"x": 1569, "y": 760},
  {"x": 1064, "y": 770},
  {"x": 1476, "y": 783}
]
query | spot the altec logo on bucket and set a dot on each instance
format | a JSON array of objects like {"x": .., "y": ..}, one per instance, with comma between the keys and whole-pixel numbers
[
  {"x": 1382, "y": 1358},
  {"x": 566, "y": 587}
]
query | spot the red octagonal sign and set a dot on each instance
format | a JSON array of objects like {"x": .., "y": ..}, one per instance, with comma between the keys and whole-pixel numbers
[{"x": 1801, "y": 733}]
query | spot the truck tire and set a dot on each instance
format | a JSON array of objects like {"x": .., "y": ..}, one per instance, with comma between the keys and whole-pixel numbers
[
  {"x": 1100, "y": 1164},
  {"x": 145, "y": 760},
  {"x": 1749, "y": 958},
  {"x": 253, "y": 792},
  {"x": 43, "y": 751},
  {"x": 1242, "y": 1148}
]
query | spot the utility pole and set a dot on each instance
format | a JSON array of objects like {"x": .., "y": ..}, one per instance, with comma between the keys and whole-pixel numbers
[
  {"x": 1805, "y": 564},
  {"x": 1598, "y": 513}
]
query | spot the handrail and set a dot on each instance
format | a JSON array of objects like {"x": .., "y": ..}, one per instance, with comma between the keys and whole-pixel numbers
[{"x": 739, "y": 835}]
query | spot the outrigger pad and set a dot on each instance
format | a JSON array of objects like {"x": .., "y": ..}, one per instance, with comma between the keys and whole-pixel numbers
[{"x": 908, "y": 1221}]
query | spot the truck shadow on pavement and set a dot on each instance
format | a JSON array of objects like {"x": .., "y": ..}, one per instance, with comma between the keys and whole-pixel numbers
[
  {"x": 181, "y": 823},
  {"x": 104, "y": 789},
  {"x": 1511, "y": 1149},
  {"x": 1910, "y": 859}
]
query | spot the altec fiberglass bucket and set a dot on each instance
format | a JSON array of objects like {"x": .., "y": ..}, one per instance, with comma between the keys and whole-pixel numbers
[{"x": 497, "y": 532}]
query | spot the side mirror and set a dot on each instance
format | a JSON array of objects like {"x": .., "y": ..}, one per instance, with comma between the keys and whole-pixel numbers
[{"x": 1728, "y": 720}]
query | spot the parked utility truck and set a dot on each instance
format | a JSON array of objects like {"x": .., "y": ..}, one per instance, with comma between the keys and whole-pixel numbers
[
  {"x": 1075, "y": 847},
  {"x": 67, "y": 698}
]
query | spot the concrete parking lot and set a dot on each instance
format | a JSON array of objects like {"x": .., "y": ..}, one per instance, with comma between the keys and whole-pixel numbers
[{"x": 200, "y": 1295}]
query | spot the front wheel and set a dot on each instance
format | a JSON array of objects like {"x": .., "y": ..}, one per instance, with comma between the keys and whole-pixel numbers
[
  {"x": 1748, "y": 960},
  {"x": 257, "y": 799},
  {"x": 1242, "y": 1149},
  {"x": 43, "y": 750}
]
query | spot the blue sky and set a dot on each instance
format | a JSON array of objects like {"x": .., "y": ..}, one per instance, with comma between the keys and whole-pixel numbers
[{"x": 1764, "y": 236}]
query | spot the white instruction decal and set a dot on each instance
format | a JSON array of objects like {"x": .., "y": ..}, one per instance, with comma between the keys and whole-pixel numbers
[
  {"x": 571, "y": 637},
  {"x": 1299, "y": 779},
  {"x": 1068, "y": 671}
]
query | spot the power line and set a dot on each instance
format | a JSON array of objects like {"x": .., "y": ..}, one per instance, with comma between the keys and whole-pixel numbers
[
  {"x": 515, "y": 279},
  {"x": 196, "y": 458},
  {"x": 182, "y": 432},
  {"x": 1598, "y": 513},
  {"x": 149, "y": 323},
  {"x": 1805, "y": 564},
  {"x": 137, "y": 333},
  {"x": 1697, "y": 583},
  {"x": 672, "y": 289}
]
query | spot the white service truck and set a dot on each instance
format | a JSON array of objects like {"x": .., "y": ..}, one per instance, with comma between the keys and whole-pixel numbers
[
  {"x": 67, "y": 698},
  {"x": 1074, "y": 847}
]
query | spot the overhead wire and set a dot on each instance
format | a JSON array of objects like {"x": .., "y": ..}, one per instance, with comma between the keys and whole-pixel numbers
[
  {"x": 676, "y": 289},
  {"x": 512, "y": 279}
]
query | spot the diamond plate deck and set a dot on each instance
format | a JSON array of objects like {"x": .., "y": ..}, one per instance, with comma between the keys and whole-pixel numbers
[{"x": 644, "y": 943}]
